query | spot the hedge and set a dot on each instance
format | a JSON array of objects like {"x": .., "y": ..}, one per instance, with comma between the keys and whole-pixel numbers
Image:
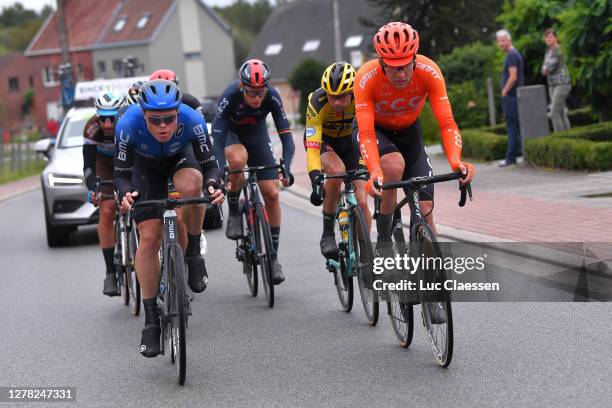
[
  {"x": 581, "y": 148},
  {"x": 582, "y": 117},
  {"x": 481, "y": 145}
]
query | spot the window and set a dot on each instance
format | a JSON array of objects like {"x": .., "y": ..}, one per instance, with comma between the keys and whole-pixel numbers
[
  {"x": 311, "y": 45},
  {"x": 48, "y": 75},
  {"x": 353, "y": 41},
  {"x": 273, "y": 49},
  {"x": 142, "y": 21},
  {"x": 102, "y": 67},
  {"x": 118, "y": 66},
  {"x": 356, "y": 58},
  {"x": 120, "y": 23},
  {"x": 13, "y": 83}
]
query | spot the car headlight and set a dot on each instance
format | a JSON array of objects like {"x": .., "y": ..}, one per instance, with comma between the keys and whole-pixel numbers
[{"x": 56, "y": 180}]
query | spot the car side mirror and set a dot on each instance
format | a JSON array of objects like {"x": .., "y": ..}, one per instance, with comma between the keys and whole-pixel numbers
[{"x": 43, "y": 146}]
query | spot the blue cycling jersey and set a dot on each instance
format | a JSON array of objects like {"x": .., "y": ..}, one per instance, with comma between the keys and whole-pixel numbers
[{"x": 132, "y": 137}]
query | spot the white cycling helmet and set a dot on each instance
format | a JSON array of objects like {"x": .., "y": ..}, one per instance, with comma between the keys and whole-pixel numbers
[{"x": 109, "y": 101}]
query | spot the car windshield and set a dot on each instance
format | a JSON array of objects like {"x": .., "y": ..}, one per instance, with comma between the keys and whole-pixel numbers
[{"x": 72, "y": 132}]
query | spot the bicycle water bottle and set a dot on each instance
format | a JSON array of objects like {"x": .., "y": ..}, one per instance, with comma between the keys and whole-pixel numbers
[{"x": 343, "y": 221}]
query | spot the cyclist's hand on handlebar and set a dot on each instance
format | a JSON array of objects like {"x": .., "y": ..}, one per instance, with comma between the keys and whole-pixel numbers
[
  {"x": 375, "y": 176},
  {"x": 94, "y": 197},
  {"x": 128, "y": 201},
  {"x": 468, "y": 171},
  {"x": 318, "y": 192},
  {"x": 216, "y": 192},
  {"x": 287, "y": 182}
]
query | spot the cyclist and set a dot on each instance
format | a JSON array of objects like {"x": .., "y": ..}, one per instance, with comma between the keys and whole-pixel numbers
[
  {"x": 170, "y": 75},
  {"x": 241, "y": 136},
  {"x": 157, "y": 139},
  {"x": 329, "y": 146},
  {"x": 98, "y": 150},
  {"x": 132, "y": 93},
  {"x": 389, "y": 97}
]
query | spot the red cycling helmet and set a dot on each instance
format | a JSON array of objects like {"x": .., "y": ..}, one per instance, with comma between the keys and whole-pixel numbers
[
  {"x": 254, "y": 73},
  {"x": 396, "y": 43},
  {"x": 166, "y": 74}
]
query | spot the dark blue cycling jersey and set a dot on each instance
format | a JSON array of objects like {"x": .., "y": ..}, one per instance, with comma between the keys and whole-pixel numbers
[
  {"x": 132, "y": 137},
  {"x": 234, "y": 114}
]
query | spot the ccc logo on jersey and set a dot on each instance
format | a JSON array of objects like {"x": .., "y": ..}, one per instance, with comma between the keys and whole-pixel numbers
[{"x": 400, "y": 104}]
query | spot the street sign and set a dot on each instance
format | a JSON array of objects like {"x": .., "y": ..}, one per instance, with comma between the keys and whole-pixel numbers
[{"x": 90, "y": 89}]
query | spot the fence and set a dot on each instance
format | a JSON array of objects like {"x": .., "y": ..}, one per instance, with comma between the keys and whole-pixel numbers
[{"x": 18, "y": 158}]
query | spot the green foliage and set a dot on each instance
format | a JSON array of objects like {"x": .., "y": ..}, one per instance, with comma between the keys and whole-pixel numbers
[
  {"x": 582, "y": 117},
  {"x": 499, "y": 129},
  {"x": 429, "y": 126},
  {"x": 582, "y": 148},
  {"x": 442, "y": 24},
  {"x": 587, "y": 43},
  {"x": 28, "y": 101},
  {"x": 17, "y": 27},
  {"x": 305, "y": 78},
  {"x": 246, "y": 21},
  {"x": 526, "y": 20},
  {"x": 472, "y": 62},
  {"x": 481, "y": 145},
  {"x": 469, "y": 105}
]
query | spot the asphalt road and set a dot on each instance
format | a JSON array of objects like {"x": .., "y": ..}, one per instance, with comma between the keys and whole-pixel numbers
[{"x": 57, "y": 329}]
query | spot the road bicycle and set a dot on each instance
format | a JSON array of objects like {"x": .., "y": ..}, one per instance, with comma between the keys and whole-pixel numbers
[
  {"x": 436, "y": 310},
  {"x": 254, "y": 248},
  {"x": 173, "y": 300},
  {"x": 126, "y": 244},
  {"x": 355, "y": 254}
]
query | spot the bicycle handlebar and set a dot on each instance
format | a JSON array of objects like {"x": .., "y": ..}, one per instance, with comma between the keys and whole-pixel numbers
[
  {"x": 252, "y": 169},
  {"x": 171, "y": 203},
  {"x": 346, "y": 177}
]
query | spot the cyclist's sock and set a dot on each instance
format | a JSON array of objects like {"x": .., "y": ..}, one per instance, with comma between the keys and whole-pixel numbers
[
  {"x": 233, "y": 198},
  {"x": 275, "y": 238},
  {"x": 328, "y": 223},
  {"x": 383, "y": 227},
  {"x": 151, "y": 312},
  {"x": 193, "y": 245},
  {"x": 109, "y": 259}
]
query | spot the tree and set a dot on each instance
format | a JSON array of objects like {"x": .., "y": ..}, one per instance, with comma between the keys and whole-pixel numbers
[
  {"x": 586, "y": 38},
  {"x": 18, "y": 25},
  {"x": 442, "y": 24},
  {"x": 246, "y": 21},
  {"x": 306, "y": 78}
]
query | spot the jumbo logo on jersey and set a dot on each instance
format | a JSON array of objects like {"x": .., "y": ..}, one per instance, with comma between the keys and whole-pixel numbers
[{"x": 399, "y": 105}]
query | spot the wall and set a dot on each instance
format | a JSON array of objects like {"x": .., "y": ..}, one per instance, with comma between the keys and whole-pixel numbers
[{"x": 108, "y": 55}]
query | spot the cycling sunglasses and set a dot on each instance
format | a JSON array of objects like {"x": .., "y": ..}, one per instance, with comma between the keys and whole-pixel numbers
[
  {"x": 104, "y": 118},
  {"x": 253, "y": 93},
  {"x": 157, "y": 120}
]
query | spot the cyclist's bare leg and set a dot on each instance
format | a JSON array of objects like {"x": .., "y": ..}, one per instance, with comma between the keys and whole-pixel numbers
[
  {"x": 147, "y": 260},
  {"x": 269, "y": 191},
  {"x": 426, "y": 208},
  {"x": 393, "y": 168},
  {"x": 188, "y": 182},
  {"x": 236, "y": 156},
  {"x": 332, "y": 165},
  {"x": 361, "y": 196},
  {"x": 106, "y": 229}
]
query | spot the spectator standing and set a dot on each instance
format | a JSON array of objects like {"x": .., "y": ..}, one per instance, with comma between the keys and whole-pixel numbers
[
  {"x": 513, "y": 76},
  {"x": 558, "y": 79}
]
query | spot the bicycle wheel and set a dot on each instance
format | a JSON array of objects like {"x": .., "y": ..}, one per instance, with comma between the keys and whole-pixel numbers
[
  {"x": 436, "y": 306},
  {"x": 132, "y": 278},
  {"x": 245, "y": 243},
  {"x": 263, "y": 241},
  {"x": 363, "y": 253},
  {"x": 399, "y": 310},
  {"x": 178, "y": 312},
  {"x": 344, "y": 269}
]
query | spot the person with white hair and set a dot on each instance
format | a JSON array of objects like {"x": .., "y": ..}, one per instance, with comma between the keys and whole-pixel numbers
[{"x": 513, "y": 76}]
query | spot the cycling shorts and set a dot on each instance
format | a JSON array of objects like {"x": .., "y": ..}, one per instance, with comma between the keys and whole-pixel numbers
[
  {"x": 409, "y": 143},
  {"x": 259, "y": 149},
  {"x": 346, "y": 150},
  {"x": 150, "y": 177}
]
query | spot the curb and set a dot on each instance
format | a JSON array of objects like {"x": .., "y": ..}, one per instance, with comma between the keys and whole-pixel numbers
[{"x": 16, "y": 193}]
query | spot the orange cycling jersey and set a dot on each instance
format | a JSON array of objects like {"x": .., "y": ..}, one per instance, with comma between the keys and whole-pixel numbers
[{"x": 378, "y": 102}]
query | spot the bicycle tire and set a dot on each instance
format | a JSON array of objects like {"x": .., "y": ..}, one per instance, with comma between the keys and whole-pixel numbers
[
  {"x": 343, "y": 279},
  {"x": 264, "y": 246},
  {"x": 401, "y": 313},
  {"x": 441, "y": 332},
  {"x": 178, "y": 313},
  {"x": 365, "y": 254},
  {"x": 249, "y": 268},
  {"x": 132, "y": 246}
]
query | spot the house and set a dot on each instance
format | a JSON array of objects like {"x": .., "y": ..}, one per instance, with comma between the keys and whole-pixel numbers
[
  {"x": 17, "y": 79},
  {"x": 305, "y": 29},
  {"x": 183, "y": 35}
]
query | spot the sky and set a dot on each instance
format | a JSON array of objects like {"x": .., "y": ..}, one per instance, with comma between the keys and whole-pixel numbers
[{"x": 39, "y": 4}]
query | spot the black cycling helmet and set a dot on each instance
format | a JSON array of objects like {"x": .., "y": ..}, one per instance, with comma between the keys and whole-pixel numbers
[{"x": 254, "y": 73}]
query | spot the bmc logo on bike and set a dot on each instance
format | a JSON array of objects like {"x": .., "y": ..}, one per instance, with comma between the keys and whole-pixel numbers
[
  {"x": 400, "y": 104},
  {"x": 171, "y": 230}
]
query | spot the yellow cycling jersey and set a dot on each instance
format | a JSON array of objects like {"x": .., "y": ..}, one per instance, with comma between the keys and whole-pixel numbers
[{"x": 323, "y": 120}]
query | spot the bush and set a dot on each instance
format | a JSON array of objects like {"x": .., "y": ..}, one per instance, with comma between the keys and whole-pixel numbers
[
  {"x": 429, "y": 126},
  {"x": 582, "y": 117},
  {"x": 481, "y": 145},
  {"x": 499, "y": 129},
  {"x": 306, "y": 78},
  {"x": 581, "y": 148},
  {"x": 469, "y": 106}
]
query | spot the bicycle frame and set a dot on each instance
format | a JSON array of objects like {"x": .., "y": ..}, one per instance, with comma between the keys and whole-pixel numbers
[{"x": 346, "y": 202}]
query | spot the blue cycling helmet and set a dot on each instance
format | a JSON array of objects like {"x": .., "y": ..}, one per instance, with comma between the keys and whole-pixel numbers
[{"x": 160, "y": 94}]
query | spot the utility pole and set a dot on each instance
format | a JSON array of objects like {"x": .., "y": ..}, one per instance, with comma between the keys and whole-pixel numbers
[
  {"x": 337, "y": 39},
  {"x": 63, "y": 36},
  {"x": 64, "y": 70}
]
